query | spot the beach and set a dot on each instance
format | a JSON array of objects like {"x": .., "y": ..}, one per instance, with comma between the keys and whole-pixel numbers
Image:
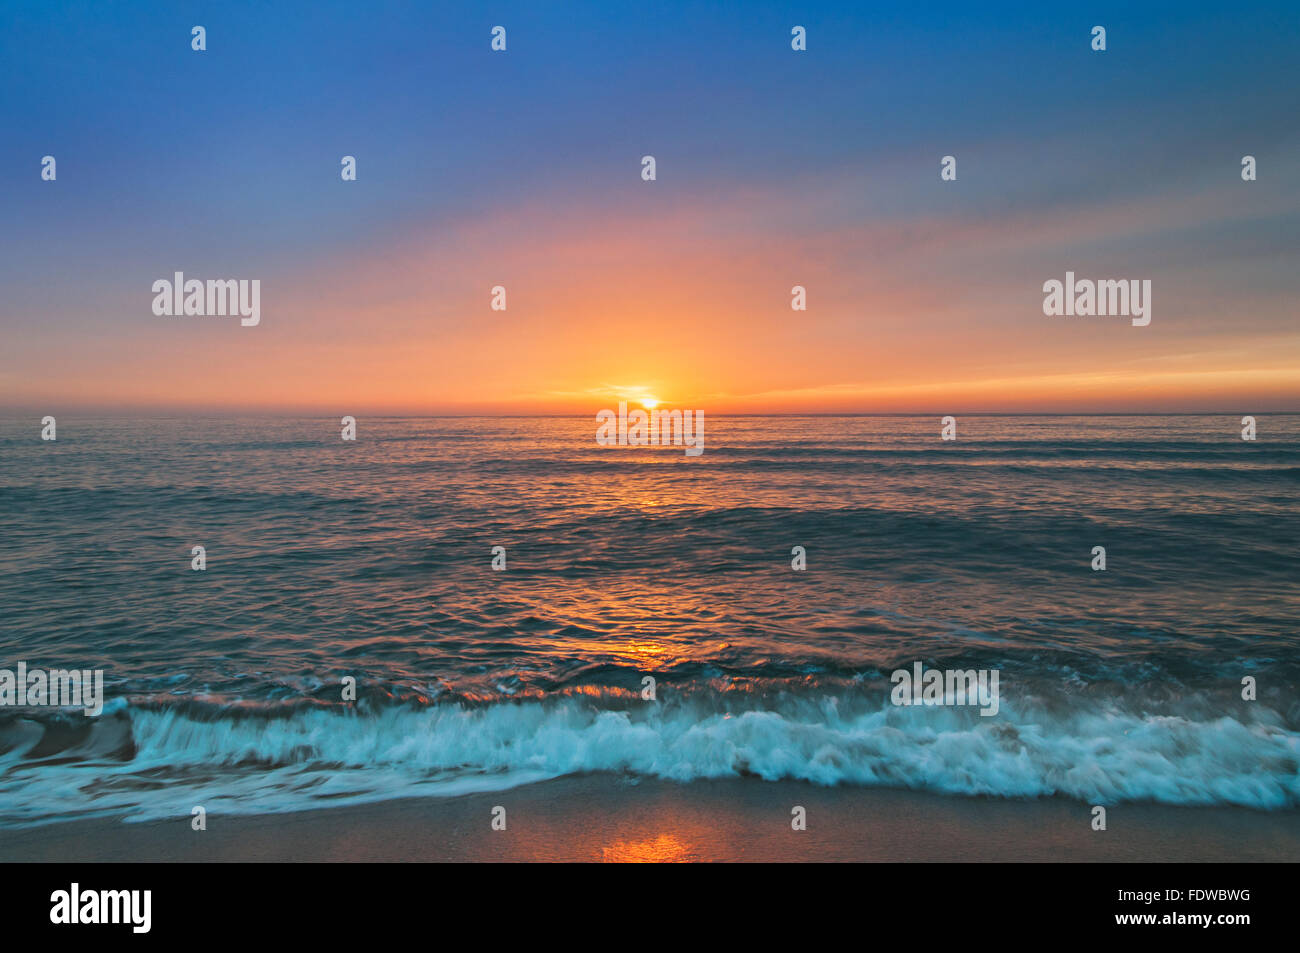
[{"x": 604, "y": 818}]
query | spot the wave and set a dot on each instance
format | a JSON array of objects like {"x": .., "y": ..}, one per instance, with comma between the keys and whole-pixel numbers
[{"x": 148, "y": 761}]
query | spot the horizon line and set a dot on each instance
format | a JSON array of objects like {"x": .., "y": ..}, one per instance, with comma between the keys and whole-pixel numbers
[{"x": 154, "y": 414}]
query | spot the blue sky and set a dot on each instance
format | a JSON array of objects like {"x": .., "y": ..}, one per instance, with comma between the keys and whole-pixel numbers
[{"x": 226, "y": 161}]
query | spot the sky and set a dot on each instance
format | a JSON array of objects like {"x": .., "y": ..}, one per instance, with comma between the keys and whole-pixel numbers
[{"x": 775, "y": 168}]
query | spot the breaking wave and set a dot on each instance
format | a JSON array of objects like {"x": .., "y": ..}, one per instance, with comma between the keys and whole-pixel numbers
[{"x": 154, "y": 761}]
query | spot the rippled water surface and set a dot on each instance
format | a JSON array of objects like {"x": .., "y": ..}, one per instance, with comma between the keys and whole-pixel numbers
[{"x": 372, "y": 559}]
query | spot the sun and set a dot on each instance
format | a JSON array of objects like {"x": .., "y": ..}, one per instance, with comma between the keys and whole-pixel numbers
[{"x": 649, "y": 403}]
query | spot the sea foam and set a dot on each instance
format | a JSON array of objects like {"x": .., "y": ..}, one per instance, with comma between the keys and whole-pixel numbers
[{"x": 153, "y": 762}]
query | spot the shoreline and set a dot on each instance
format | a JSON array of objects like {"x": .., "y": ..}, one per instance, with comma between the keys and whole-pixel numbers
[{"x": 595, "y": 818}]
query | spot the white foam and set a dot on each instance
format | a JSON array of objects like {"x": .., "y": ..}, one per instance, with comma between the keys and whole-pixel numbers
[{"x": 255, "y": 765}]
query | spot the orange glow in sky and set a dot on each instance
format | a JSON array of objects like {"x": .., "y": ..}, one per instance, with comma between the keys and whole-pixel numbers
[{"x": 688, "y": 304}]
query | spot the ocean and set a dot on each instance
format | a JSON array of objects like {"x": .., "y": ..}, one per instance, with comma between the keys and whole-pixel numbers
[{"x": 372, "y": 560}]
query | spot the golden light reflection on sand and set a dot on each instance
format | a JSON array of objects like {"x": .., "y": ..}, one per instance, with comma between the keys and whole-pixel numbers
[{"x": 664, "y": 849}]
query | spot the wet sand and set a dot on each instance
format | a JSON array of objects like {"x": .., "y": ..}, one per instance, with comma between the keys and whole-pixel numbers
[{"x": 606, "y": 818}]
